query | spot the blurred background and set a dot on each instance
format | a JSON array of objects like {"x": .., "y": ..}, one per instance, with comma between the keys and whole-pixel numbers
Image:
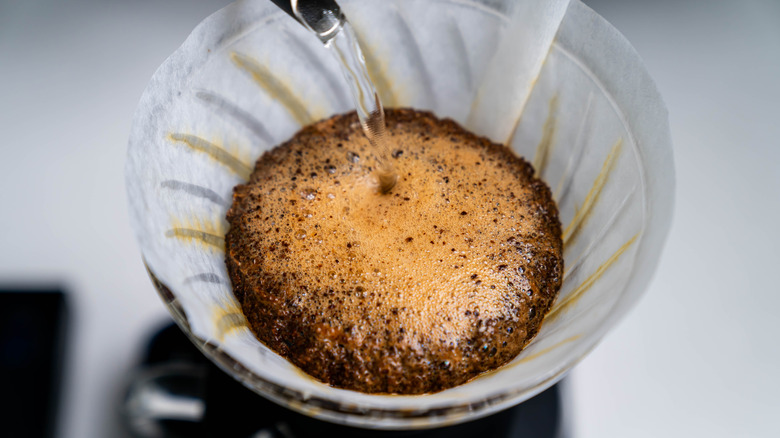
[{"x": 699, "y": 356}]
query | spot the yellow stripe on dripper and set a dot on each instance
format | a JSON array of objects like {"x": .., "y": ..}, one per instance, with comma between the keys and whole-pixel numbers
[
  {"x": 275, "y": 87},
  {"x": 591, "y": 199},
  {"x": 570, "y": 299},
  {"x": 214, "y": 151}
]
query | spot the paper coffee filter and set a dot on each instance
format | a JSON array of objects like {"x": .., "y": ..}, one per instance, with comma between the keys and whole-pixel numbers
[{"x": 249, "y": 77}]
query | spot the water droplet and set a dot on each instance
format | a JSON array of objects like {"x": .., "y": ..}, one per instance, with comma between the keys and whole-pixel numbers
[
  {"x": 300, "y": 234},
  {"x": 353, "y": 157},
  {"x": 331, "y": 196}
]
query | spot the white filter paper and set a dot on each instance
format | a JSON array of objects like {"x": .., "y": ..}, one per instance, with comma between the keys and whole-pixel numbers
[{"x": 551, "y": 79}]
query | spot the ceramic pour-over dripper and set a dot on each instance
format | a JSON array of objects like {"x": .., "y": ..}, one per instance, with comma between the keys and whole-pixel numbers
[{"x": 249, "y": 77}]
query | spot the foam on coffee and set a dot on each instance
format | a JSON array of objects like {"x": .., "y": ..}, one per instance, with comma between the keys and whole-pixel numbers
[{"x": 446, "y": 276}]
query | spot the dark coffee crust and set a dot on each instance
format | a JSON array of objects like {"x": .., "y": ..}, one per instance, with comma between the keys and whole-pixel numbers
[{"x": 343, "y": 327}]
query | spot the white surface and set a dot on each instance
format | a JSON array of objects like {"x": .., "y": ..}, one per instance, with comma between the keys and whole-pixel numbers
[
  {"x": 71, "y": 74},
  {"x": 699, "y": 355}
]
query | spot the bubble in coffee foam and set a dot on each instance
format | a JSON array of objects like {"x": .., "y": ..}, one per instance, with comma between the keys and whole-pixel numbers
[{"x": 422, "y": 288}]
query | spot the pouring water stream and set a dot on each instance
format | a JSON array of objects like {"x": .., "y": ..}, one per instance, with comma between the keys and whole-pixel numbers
[{"x": 325, "y": 19}]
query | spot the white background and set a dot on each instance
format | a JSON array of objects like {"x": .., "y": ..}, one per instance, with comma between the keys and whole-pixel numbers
[{"x": 700, "y": 354}]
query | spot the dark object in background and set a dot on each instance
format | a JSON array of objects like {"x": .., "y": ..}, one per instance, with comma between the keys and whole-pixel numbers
[
  {"x": 32, "y": 341},
  {"x": 178, "y": 392}
]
